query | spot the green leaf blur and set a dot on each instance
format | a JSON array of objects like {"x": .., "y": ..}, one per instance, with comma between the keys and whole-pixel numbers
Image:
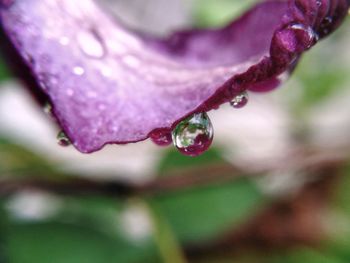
[{"x": 203, "y": 213}]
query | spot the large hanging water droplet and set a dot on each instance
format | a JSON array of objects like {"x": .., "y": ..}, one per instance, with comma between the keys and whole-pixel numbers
[
  {"x": 161, "y": 138},
  {"x": 240, "y": 100},
  {"x": 194, "y": 135},
  {"x": 91, "y": 44},
  {"x": 63, "y": 140}
]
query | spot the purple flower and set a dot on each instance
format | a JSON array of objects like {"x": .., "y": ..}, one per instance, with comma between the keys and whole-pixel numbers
[{"x": 108, "y": 84}]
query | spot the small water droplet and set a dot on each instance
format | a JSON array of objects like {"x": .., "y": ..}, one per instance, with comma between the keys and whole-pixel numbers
[
  {"x": 106, "y": 71},
  {"x": 48, "y": 109},
  {"x": 240, "y": 100},
  {"x": 91, "y": 44},
  {"x": 325, "y": 26},
  {"x": 307, "y": 35},
  {"x": 161, "y": 138},
  {"x": 70, "y": 92},
  {"x": 64, "y": 41},
  {"x": 194, "y": 135},
  {"x": 29, "y": 59},
  {"x": 328, "y": 20},
  {"x": 47, "y": 80},
  {"x": 78, "y": 71},
  {"x": 131, "y": 61},
  {"x": 63, "y": 140}
]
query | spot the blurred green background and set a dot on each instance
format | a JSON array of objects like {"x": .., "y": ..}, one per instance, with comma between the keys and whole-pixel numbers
[{"x": 229, "y": 205}]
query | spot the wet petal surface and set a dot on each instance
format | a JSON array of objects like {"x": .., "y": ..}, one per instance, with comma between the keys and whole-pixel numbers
[{"x": 110, "y": 85}]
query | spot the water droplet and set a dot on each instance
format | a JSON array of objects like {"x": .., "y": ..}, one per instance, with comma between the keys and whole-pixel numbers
[
  {"x": 240, "y": 100},
  {"x": 161, "y": 138},
  {"x": 328, "y": 20},
  {"x": 47, "y": 80},
  {"x": 64, "y": 41},
  {"x": 70, "y": 92},
  {"x": 48, "y": 109},
  {"x": 78, "y": 71},
  {"x": 132, "y": 61},
  {"x": 91, "y": 44},
  {"x": 282, "y": 78},
  {"x": 106, "y": 71},
  {"x": 194, "y": 135},
  {"x": 63, "y": 140},
  {"x": 325, "y": 26},
  {"x": 28, "y": 57},
  {"x": 306, "y": 34}
]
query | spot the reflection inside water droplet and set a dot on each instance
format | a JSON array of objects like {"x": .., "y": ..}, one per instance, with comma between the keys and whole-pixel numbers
[
  {"x": 91, "y": 44},
  {"x": 240, "y": 100},
  {"x": 194, "y": 135},
  {"x": 63, "y": 140}
]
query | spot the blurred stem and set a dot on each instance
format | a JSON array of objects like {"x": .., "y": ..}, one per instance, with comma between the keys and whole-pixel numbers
[{"x": 168, "y": 245}]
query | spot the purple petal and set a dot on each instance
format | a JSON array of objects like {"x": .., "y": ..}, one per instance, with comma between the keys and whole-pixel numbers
[{"x": 110, "y": 85}]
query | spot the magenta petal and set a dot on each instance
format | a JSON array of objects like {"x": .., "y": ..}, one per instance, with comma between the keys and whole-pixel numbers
[{"x": 109, "y": 85}]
